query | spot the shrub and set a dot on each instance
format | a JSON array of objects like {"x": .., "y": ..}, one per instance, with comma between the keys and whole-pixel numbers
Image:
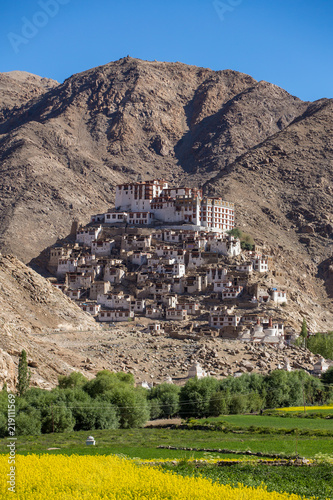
[
  {"x": 238, "y": 404},
  {"x": 218, "y": 404}
]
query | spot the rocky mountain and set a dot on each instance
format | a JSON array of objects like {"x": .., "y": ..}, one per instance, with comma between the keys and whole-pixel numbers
[
  {"x": 31, "y": 309},
  {"x": 19, "y": 87},
  {"x": 63, "y": 148}
]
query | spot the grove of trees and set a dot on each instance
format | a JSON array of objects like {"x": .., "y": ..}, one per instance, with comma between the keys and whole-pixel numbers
[
  {"x": 321, "y": 343},
  {"x": 111, "y": 400}
]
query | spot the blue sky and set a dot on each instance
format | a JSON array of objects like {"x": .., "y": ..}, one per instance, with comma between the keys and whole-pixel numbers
[{"x": 286, "y": 42}]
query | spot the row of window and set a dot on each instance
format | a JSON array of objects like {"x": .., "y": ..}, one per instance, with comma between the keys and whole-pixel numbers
[{"x": 119, "y": 314}]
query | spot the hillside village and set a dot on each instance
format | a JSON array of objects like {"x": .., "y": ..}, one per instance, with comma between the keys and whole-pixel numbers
[{"x": 167, "y": 254}]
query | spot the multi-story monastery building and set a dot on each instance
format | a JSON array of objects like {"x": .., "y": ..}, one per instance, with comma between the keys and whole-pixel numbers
[{"x": 140, "y": 203}]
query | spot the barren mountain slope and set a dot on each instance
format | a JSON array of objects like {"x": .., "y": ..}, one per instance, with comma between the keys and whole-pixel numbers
[
  {"x": 29, "y": 306},
  {"x": 18, "y": 87},
  {"x": 62, "y": 153}
]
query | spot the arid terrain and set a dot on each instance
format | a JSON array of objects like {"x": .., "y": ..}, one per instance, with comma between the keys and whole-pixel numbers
[{"x": 64, "y": 147}]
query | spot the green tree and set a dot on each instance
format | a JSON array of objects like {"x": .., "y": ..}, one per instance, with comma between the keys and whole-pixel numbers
[
  {"x": 155, "y": 408},
  {"x": 247, "y": 241},
  {"x": 236, "y": 232},
  {"x": 238, "y": 404},
  {"x": 168, "y": 398},
  {"x": 28, "y": 422},
  {"x": 255, "y": 402},
  {"x": 195, "y": 396},
  {"x": 3, "y": 425},
  {"x": 75, "y": 379},
  {"x": 131, "y": 403},
  {"x": 127, "y": 378},
  {"x": 24, "y": 374},
  {"x": 57, "y": 418},
  {"x": 327, "y": 377},
  {"x": 96, "y": 415},
  {"x": 219, "y": 404},
  {"x": 321, "y": 343},
  {"x": 106, "y": 381},
  {"x": 90, "y": 413},
  {"x": 276, "y": 384}
]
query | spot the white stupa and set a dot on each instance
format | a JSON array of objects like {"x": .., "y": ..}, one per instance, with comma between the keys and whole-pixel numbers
[{"x": 196, "y": 371}]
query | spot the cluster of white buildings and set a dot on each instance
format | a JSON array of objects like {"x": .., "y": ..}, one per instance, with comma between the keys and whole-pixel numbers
[{"x": 174, "y": 269}]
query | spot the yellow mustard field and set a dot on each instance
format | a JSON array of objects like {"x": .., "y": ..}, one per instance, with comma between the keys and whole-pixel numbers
[
  {"x": 308, "y": 408},
  {"x": 110, "y": 477}
]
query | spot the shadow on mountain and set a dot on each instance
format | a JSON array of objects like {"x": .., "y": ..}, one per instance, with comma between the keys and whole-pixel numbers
[{"x": 325, "y": 272}]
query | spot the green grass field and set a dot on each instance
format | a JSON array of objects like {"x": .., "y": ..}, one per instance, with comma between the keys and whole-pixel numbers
[
  {"x": 310, "y": 481},
  {"x": 143, "y": 443},
  {"x": 276, "y": 422}
]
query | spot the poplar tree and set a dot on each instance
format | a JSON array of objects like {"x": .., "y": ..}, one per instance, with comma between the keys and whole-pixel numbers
[{"x": 24, "y": 374}]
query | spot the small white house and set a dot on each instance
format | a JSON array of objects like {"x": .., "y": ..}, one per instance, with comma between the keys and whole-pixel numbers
[
  {"x": 78, "y": 280},
  {"x": 68, "y": 265},
  {"x": 97, "y": 288},
  {"x": 115, "y": 315},
  {"x": 192, "y": 308},
  {"x": 175, "y": 270},
  {"x": 279, "y": 296},
  {"x": 172, "y": 236},
  {"x": 169, "y": 300},
  {"x": 196, "y": 259},
  {"x": 140, "y": 218},
  {"x": 216, "y": 274},
  {"x": 160, "y": 287},
  {"x": 222, "y": 320},
  {"x": 176, "y": 314},
  {"x": 228, "y": 246},
  {"x": 246, "y": 267},
  {"x": 115, "y": 300},
  {"x": 193, "y": 284},
  {"x": 260, "y": 265},
  {"x": 138, "y": 306},
  {"x": 92, "y": 308},
  {"x": 74, "y": 294},
  {"x": 139, "y": 258},
  {"x": 113, "y": 274},
  {"x": 219, "y": 286},
  {"x": 320, "y": 367},
  {"x": 155, "y": 328},
  {"x": 231, "y": 292},
  {"x": 86, "y": 236},
  {"x": 154, "y": 312},
  {"x": 102, "y": 248},
  {"x": 115, "y": 217}
]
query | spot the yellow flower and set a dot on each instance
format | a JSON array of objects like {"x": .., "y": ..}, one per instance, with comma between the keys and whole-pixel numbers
[
  {"x": 45, "y": 477},
  {"x": 308, "y": 408}
]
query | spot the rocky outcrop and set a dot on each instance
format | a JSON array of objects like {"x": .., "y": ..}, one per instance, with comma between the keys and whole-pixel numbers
[
  {"x": 8, "y": 374},
  {"x": 31, "y": 306}
]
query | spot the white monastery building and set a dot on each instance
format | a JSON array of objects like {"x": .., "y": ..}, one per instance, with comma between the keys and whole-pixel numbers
[{"x": 142, "y": 202}]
